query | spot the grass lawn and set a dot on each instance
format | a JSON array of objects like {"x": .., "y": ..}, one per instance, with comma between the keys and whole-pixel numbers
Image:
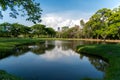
[
  {"x": 7, "y": 44},
  {"x": 111, "y": 52}
]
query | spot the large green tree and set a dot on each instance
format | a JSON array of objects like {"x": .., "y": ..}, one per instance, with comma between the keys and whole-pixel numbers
[
  {"x": 114, "y": 23},
  {"x": 25, "y": 7},
  {"x": 50, "y": 32},
  {"x": 87, "y": 30},
  {"x": 98, "y": 24},
  {"x": 15, "y": 29},
  {"x": 38, "y": 29}
]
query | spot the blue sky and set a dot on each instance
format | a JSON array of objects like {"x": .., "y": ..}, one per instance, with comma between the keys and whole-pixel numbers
[
  {"x": 57, "y": 13},
  {"x": 78, "y": 5}
]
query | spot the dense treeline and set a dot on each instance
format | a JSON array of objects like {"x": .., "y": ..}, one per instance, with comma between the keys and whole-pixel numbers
[
  {"x": 19, "y": 30},
  {"x": 66, "y": 32},
  {"x": 104, "y": 24}
]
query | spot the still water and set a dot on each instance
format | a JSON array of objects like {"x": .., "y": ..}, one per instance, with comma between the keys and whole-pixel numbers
[{"x": 53, "y": 60}]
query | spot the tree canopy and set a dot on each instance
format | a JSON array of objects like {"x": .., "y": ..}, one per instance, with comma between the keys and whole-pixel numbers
[
  {"x": 28, "y": 8},
  {"x": 105, "y": 23},
  {"x": 19, "y": 30}
]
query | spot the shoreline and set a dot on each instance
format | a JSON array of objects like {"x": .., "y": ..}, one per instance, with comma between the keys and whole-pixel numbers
[
  {"x": 7, "y": 45},
  {"x": 97, "y": 40},
  {"x": 110, "y": 52}
]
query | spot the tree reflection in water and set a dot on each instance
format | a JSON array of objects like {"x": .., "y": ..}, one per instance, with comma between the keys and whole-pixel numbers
[
  {"x": 60, "y": 48},
  {"x": 40, "y": 48},
  {"x": 99, "y": 63}
]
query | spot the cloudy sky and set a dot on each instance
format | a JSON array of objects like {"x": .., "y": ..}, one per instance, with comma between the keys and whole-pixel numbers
[{"x": 58, "y": 13}]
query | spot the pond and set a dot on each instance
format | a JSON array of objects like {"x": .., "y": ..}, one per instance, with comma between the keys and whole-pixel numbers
[{"x": 53, "y": 60}]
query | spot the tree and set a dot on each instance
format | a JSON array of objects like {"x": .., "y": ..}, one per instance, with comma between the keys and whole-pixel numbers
[
  {"x": 114, "y": 23},
  {"x": 4, "y": 26},
  {"x": 5, "y": 29},
  {"x": 15, "y": 29},
  {"x": 25, "y": 30},
  {"x": 99, "y": 21},
  {"x": 73, "y": 32},
  {"x": 65, "y": 28},
  {"x": 27, "y": 7},
  {"x": 38, "y": 29},
  {"x": 50, "y": 31}
]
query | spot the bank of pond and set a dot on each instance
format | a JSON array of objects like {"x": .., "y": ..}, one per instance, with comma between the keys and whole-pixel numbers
[
  {"x": 65, "y": 59},
  {"x": 110, "y": 52}
]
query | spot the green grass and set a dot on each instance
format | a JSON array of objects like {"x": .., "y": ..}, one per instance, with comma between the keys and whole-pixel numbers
[
  {"x": 8, "y": 44},
  {"x": 111, "y": 52}
]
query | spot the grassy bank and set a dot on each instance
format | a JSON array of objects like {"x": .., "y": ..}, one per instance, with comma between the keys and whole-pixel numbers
[
  {"x": 8, "y": 44},
  {"x": 111, "y": 52}
]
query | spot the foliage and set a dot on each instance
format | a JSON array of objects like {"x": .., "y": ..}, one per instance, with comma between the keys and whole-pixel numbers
[
  {"x": 73, "y": 32},
  {"x": 19, "y": 30},
  {"x": 38, "y": 29},
  {"x": 26, "y": 7},
  {"x": 4, "y": 29},
  {"x": 50, "y": 32},
  {"x": 105, "y": 23},
  {"x": 110, "y": 52},
  {"x": 8, "y": 44}
]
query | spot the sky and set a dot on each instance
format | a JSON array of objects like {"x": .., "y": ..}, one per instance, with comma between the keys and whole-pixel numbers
[{"x": 59, "y": 13}]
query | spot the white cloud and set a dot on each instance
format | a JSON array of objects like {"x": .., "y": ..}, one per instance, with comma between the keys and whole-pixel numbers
[
  {"x": 56, "y": 21},
  {"x": 70, "y": 19},
  {"x": 116, "y": 6},
  {"x": 57, "y": 53}
]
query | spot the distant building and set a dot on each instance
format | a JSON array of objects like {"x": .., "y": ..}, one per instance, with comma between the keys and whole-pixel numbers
[{"x": 58, "y": 29}]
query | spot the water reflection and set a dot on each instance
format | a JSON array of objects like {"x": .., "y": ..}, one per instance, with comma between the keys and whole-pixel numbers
[
  {"x": 99, "y": 63},
  {"x": 53, "y": 60}
]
